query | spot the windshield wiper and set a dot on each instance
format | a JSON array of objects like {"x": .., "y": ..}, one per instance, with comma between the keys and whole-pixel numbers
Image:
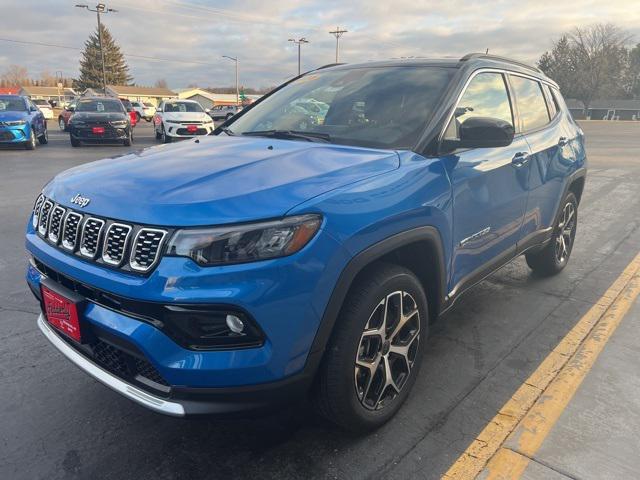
[
  {"x": 228, "y": 131},
  {"x": 291, "y": 134}
]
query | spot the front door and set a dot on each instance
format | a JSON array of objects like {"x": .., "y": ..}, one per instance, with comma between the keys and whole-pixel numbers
[{"x": 489, "y": 185}]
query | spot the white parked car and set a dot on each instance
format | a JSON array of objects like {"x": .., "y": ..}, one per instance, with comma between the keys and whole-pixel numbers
[
  {"x": 144, "y": 110},
  {"x": 181, "y": 119},
  {"x": 45, "y": 108}
]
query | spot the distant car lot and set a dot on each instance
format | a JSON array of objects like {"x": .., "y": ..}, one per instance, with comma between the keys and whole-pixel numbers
[{"x": 58, "y": 423}]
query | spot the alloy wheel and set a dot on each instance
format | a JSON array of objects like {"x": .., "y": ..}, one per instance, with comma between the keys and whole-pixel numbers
[
  {"x": 61, "y": 124},
  {"x": 387, "y": 350},
  {"x": 565, "y": 233}
]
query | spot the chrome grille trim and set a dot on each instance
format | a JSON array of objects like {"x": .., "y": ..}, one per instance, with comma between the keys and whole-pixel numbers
[
  {"x": 70, "y": 230},
  {"x": 115, "y": 241},
  {"x": 146, "y": 251},
  {"x": 43, "y": 220},
  {"x": 55, "y": 223},
  {"x": 90, "y": 239},
  {"x": 129, "y": 247},
  {"x": 36, "y": 210}
]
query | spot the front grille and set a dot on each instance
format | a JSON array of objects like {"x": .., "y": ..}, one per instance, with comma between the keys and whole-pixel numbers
[
  {"x": 115, "y": 243},
  {"x": 145, "y": 252},
  {"x": 184, "y": 131},
  {"x": 36, "y": 209},
  {"x": 90, "y": 240},
  {"x": 110, "y": 357},
  {"x": 43, "y": 220},
  {"x": 6, "y": 136},
  {"x": 55, "y": 223},
  {"x": 70, "y": 231},
  {"x": 118, "y": 245}
]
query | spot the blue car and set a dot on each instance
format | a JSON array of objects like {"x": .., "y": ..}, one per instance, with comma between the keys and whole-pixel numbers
[
  {"x": 291, "y": 255},
  {"x": 21, "y": 122}
]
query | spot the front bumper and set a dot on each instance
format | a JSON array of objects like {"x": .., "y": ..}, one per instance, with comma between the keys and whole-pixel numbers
[
  {"x": 182, "y": 401},
  {"x": 17, "y": 134},
  {"x": 177, "y": 130},
  {"x": 111, "y": 134}
]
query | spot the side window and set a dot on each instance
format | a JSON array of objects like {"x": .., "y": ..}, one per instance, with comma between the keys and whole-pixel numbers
[
  {"x": 532, "y": 107},
  {"x": 552, "y": 105},
  {"x": 485, "y": 96}
]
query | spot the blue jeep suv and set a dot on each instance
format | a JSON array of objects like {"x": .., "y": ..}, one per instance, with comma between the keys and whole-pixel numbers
[{"x": 305, "y": 247}]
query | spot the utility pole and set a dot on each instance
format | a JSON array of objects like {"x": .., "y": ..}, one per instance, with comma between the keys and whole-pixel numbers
[
  {"x": 338, "y": 33},
  {"x": 60, "y": 85},
  {"x": 235, "y": 59},
  {"x": 100, "y": 8},
  {"x": 299, "y": 42}
]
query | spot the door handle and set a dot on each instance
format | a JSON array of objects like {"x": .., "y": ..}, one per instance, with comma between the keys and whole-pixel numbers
[
  {"x": 563, "y": 141},
  {"x": 520, "y": 159}
]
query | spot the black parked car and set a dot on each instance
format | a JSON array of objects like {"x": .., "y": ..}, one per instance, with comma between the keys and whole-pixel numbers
[{"x": 100, "y": 120}]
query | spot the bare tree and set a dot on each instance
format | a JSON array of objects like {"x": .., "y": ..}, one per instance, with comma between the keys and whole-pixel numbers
[
  {"x": 15, "y": 75},
  {"x": 600, "y": 58},
  {"x": 161, "y": 83}
]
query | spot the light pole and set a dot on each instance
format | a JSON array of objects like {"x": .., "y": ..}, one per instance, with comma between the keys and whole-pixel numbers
[
  {"x": 59, "y": 84},
  {"x": 338, "y": 33},
  {"x": 235, "y": 59},
  {"x": 100, "y": 8},
  {"x": 299, "y": 42}
]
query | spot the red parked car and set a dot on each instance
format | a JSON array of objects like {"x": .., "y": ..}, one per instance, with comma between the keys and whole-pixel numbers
[
  {"x": 65, "y": 115},
  {"x": 129, "y": 108}
]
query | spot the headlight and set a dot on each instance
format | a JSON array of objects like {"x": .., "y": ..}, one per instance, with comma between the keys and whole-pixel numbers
[
  {"x": 119, "y": 124},
  {"x": 245, "y": 243},
  {"x": 173, "y": 121},
  {"x": 15, "y": 123}
]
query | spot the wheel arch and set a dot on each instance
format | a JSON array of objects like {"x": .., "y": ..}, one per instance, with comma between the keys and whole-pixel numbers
[{"x": 419, "y": 250}]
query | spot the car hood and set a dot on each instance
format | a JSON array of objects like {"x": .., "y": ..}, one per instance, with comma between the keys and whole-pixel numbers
[
  {"x": 216, "y": 180},
  {"x": 186, "y": 116},
  {"x": 13, "y": 116},
  {"x": 98, "y": 117}
]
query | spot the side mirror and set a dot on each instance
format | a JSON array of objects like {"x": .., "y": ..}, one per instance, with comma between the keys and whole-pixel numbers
[
  {"x": 207, "y": 110},
  {"x": 71, "y": 108},
  {"x": 485, "y": 132},
  {"x": 33, "y": 109}
]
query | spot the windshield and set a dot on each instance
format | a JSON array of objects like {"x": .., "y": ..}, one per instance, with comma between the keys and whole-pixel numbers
[
  {"x": 12, "y": 105},
  {"x": 181, "y": 107},
  {"x": 376, "y": 107},
  {"x": 100, "y": 106}
]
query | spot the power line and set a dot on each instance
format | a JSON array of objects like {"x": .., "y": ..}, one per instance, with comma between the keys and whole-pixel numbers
[
  {"x": 338, "y": 33},
  {"x": 131, "y": 55}
]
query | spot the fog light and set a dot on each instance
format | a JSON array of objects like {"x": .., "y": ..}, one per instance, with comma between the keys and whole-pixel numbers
[{"x": 235, "y": 324}]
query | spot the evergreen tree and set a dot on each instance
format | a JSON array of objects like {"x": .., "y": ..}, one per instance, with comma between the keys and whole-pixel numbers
[{"x": 116, "y": 68}]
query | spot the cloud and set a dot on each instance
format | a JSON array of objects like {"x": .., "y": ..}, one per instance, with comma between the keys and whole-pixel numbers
[{"x": 257, "y": 32}]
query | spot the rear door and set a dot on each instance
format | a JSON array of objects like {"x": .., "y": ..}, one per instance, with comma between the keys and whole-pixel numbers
[
  {"x": 489, "y": 185},
  {"x": 551, "y": 155}
]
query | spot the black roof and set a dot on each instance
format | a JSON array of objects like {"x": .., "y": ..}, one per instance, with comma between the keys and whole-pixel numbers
[{"x": 471, "y": 60}]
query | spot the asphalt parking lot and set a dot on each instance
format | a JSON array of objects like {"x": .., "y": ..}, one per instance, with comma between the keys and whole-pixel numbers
[{"x": 57, "y": 423}]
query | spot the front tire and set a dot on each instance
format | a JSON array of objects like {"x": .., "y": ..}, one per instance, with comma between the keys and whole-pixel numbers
[
  {"x": 31, "y": 143},
  {"x": 129, "y": 140},
  {"x": 61, "y": 125},
  {"x": 555, "y": 255},
  {"x": 74, "y": 142},
  {"x": 44, "y": 138},
  {"x": 375, "y": 352}
]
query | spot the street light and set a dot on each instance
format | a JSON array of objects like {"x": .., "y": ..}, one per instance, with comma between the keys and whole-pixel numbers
[
  {"x": 100, "y": 8},
  {"x": 299, "y": 42},
  {"x": 235, "y": 59}
]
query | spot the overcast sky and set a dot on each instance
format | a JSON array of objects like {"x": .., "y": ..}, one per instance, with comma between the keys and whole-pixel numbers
[{"x": 256, "y": 31}]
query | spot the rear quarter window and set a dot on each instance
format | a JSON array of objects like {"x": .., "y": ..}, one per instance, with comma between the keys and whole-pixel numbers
[{"x": 531, "y": 104}]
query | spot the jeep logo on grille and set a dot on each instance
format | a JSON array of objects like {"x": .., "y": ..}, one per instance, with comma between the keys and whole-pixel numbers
[{"x": 80, "y": 200}]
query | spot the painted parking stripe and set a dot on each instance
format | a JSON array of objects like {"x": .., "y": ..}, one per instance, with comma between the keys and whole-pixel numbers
[{"x": 504, "y": 447}]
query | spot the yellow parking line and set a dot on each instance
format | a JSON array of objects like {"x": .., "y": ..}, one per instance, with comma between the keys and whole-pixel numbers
[{"x": 528, "y": 416}]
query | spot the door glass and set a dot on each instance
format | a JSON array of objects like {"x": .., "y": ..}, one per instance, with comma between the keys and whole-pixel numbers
[
  {"x": 485, "y": 96},
  {"x": 531, "y": 105}
]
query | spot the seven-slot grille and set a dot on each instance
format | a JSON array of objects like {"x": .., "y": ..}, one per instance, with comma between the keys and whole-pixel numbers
[{"x": 130, "y": 247}]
